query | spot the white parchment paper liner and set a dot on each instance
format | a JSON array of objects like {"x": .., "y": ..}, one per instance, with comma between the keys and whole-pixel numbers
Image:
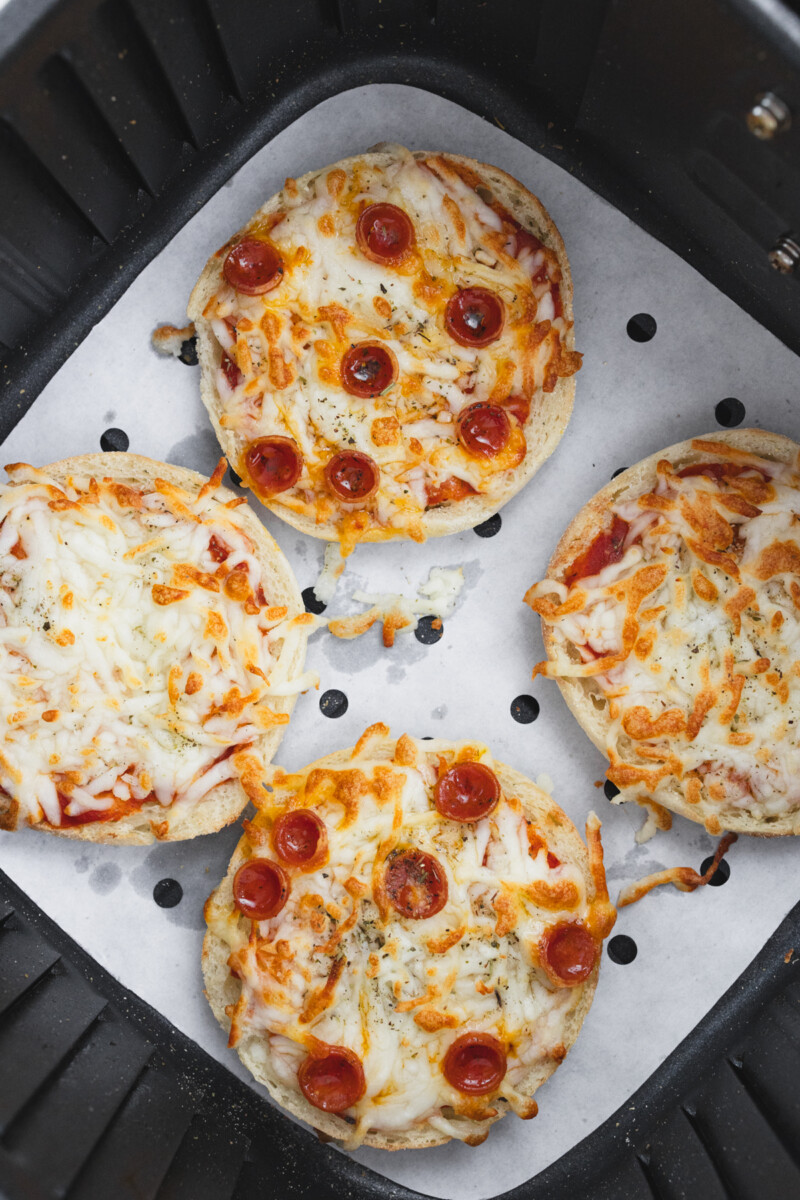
[{"x": 632, "y": 399}]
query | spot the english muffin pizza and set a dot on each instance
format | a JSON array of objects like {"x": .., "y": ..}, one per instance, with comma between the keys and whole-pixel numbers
[
  {"x": 387, "y": 346},
  {"x": 152, "y": 640},
  {"x": 407, "y": 941},
  {"x": 671, "y": 618}
]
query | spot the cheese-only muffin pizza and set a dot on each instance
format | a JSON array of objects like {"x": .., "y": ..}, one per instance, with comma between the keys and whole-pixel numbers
[
  {"x": 387, "y": 346},
  {"x": 671, "y": 618},
  {"x": 152, "y": 639},
  {"x": 407, "y": 941}
]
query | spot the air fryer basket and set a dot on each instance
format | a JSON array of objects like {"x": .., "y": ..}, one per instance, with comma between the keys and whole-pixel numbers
[{"x": 117, "y": 121}]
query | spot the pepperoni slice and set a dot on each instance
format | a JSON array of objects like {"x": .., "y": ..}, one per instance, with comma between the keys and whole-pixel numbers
[
  {"x": 474, "y": 317},
  {"x": 260, "y": 889},
  {"x": 273, "y": 464},
  {"x": 452, "y": 489},
  {"x": 253, "y": 267},
  {"x": 300, "y": 838},
  {"x": 483, "y": 429},
  {"x": 415, "y": 884},
  {"x": 368, "y": 370},
  {"x": 467, "y": 792},
  {"x": 605, "y": 549},
  {"x": 568, "y": 953},
  {"x": 352, "y": 476},
  {"x": 475, "y": 1063},
  {"x": 384, "y": 233},
  {"x": 231, "y": 372},
  {"x": 218, "y": 549},
  {"x": 333, "y": 1081}
]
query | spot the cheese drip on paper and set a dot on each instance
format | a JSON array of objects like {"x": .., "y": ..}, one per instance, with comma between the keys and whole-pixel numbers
[
  {"x": 436, "y": 597},
  {"x": 137, "y": 646},
  {"x": 406, "y": 985},
  {"x": 693, "y": 636}
]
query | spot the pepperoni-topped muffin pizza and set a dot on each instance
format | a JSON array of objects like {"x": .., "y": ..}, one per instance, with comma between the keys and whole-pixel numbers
[
  {"x": 671, "y": 617},
  {"x": 152, "y": 643},
  {"x": 407, "y": 941},
  {"x": 387, "y": 347}
]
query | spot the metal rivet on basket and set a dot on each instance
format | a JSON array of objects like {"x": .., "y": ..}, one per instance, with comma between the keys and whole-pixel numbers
[
  {"x": 785, "y": 254},
  {"x": 768, "y": 116}
]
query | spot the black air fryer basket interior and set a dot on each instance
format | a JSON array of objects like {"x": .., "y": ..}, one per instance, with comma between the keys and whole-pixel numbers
[{"x": 117, "y": 121}]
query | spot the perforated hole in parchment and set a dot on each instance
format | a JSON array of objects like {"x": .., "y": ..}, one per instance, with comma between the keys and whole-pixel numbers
[
  {"x": 167, "y": 893},
  {"x": 730, "y": 412},
  {"x": 642, "y": 327},
  {"x": 333, "y": 703},
  {"x": 114, "y": 439}
]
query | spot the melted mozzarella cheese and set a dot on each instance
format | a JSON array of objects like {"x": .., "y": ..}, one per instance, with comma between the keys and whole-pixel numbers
[
  {"x": 333, "y": 566},
  {"x": 713, "y": 652},
  {"x": 128, "y": 670},
  {"x": 437, "y": 598},
  {"x": 407, "y": 984},
  {"x": 289, "y": 342}
]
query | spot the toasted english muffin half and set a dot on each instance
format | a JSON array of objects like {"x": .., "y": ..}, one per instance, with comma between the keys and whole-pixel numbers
[
  {"x": 671, "y": 621},
  {"x": 349, "y": 359},
  {"x": 406, "y": 975},
  {"x": 153, "y": 646}
]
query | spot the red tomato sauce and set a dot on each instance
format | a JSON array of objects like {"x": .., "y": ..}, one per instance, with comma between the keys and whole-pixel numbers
[
  {"x": 607, "y": 548},
  {"x": 117, "y": 810},
  {"x": 721, "y": 471},
  {"x": 451, "y": 489},
  {"x": 519, "y": 407}
]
